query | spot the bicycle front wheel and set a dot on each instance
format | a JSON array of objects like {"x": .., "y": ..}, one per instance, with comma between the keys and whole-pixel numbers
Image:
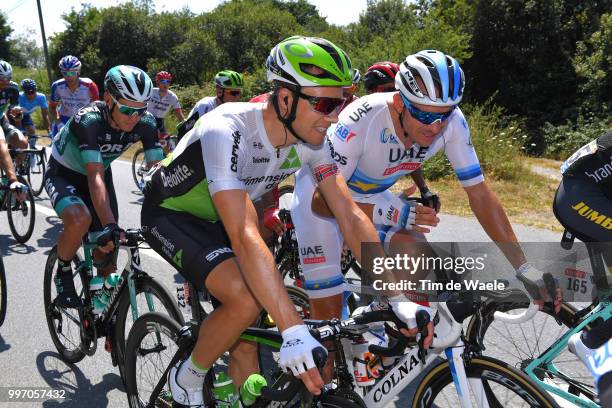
[
  {"x": 2, "y": 292},
  {"x": 493, "y": 383},
  {"x": 63, "y": 324},
  {"x": 139, "y": 168},
  {"x": 21, "y": 214},
  {"x": 151, "y": 345},
  {"x": 151, "y": 296}
]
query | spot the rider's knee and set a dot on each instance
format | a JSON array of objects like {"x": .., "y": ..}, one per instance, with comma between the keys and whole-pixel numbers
[{"x": 76, "y": 218}]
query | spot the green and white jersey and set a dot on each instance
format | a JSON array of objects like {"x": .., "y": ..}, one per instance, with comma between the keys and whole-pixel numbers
[{"x": 229, "y": 150}]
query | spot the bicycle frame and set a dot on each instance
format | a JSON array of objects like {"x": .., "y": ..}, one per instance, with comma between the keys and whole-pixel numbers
[
  {"x": 131, "y": 270},
  {"x": 602, "y": 310}
]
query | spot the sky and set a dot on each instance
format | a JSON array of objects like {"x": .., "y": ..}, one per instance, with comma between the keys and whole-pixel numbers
[{"x": 23, "y": 14}]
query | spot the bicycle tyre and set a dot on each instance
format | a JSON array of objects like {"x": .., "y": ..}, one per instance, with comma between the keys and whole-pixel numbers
[
  {"x": 70, "y": 356},
  {"x": 3, "y": 292},
  {"x": 483, "y": 368},
  {"x": 37, "y": 182},
  {"x": 26, "y": 208},
  {"x": 144, "y": 284},
  {"x": 137, "y": 160},
  {"x": 141, "y": 328}
]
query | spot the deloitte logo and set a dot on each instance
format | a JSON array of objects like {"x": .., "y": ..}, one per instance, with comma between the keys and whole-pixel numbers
[{"x": 292, "y": 161}]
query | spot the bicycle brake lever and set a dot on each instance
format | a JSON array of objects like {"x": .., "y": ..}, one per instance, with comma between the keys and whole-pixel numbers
[{"x": 422, "y": 320}]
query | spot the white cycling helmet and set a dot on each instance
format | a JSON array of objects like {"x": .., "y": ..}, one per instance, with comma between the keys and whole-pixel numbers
[
  {"x": 128, "y": 82},
  {"x": 438, "y": 71},
  {"x": 6, "y": 70}
]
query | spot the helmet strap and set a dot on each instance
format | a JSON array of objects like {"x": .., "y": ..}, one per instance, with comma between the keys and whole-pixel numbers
[
  {"x": 288, "y": 121},
  {"x": 401, "y": 120}
]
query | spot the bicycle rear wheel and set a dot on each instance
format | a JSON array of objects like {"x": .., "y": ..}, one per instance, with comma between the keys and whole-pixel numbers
[
  {"x": 36, "y": 171},
  {"x": 151, "y": 345},
  {"x": 3, "y": 292},
  {"x": 21, "y": 214},
  {"x": 63, "y": 324},
  {"x": 139, "y": 168},
  {"x": 492, "y": 382}
]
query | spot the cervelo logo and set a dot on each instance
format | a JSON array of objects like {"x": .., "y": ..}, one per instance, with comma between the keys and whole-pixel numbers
[
  {"x": 402, "y": 166},
  {"x": 343, "y": 132},
  {"x": 234, "y": 165},
  {"x": 217, "y": 252},
  {"x": 174, "y": 177}
]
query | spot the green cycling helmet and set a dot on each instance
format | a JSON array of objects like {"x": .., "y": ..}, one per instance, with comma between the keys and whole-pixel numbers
[
  {"x": 229, "y": 79},
  {"x": 292, "y": 60}
]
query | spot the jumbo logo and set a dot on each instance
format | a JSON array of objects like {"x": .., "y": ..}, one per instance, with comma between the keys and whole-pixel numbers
[
  {"x": 590, "y": 214},
  {"x": 343, "y": 132}
]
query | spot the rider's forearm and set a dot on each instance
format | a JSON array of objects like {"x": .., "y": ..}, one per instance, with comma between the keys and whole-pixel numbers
[
  {"x": 262, "y": 277},
  {"x": 53, "y": 111},
  {"x": 417, "y": 177},
  {"x": 496, "y": 224},
  {"x": 100, "y": 199},
  {"x": 6, "y": 162}
]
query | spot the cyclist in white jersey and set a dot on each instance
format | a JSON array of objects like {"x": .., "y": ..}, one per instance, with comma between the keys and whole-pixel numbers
[
  {"x": 228, "y": 85},
  {"x": 213, "y": 175},
  {"x": 71, "y": 93},
  {"x": 163, "y": 100},
  {"x": 377, "y": 140}
]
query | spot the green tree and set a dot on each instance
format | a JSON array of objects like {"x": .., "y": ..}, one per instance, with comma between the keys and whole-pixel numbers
[
  {"x": 5, "y": 32},
  {"x": 593, "y": 62},
  {"x": 26, "y": 52}
]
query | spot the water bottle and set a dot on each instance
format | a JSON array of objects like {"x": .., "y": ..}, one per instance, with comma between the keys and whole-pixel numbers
[
  {"x": 251, "y": 389},
  {"x": 224, "y": 391},
  {"x": 103, "y": 296},
  {"x": 367, "y": 366}
]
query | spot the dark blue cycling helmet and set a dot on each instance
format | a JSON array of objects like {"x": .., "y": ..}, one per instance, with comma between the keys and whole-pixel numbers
[{"x": 28, "y": 85}]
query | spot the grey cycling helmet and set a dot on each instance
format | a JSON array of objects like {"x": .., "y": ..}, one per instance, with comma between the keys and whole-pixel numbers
[
  {"x": 128, "y": 82},
  {"x": 439, "y": 72}
]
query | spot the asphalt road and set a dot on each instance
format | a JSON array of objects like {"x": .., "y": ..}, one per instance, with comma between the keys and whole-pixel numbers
[{"x": 27, "y": 355}]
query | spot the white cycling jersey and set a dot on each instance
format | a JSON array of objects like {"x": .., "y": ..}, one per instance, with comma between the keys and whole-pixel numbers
[
  {"x": 372, "y": 159},
  {"x": 160, "y": 106},
  {"x": 204, "y": 106},
  {"x": 231, "y": 151}
]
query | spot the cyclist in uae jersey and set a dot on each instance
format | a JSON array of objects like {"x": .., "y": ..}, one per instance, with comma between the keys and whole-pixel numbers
[
  {"x": 79, "y": 179},
  {"x": 377, "y": 140},
  {"x": 71, "y": 93},
  {"x": 199, "y": 216},
  {"x": 228, "y": 85},
  {"x": 9, "y": 97},
  {"x": 163, "y": 100}
]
